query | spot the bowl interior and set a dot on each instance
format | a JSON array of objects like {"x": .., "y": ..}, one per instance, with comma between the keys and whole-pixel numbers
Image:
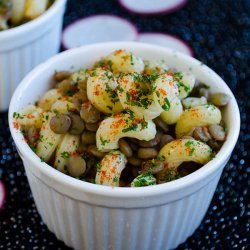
[{"x": 40, "y": 79}]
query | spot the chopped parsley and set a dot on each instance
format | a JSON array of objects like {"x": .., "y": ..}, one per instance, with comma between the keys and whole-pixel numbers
[
  {"x": 171, "y": 176},
  {"x": 69, "y": 92},
  {"x": 17, "y": 115},
  {"x": 166, "y": 105},
  {"x": 103, "y": 141},
  {"x": 55, "y": 111},
  {"x": 65, "y": 155},
  {"x": 32, "y": 148},
  {"x": 120, "y": 88},
  {"x": 40, "y": 138},
  {"x": 178, "y": 79},
  {"x": 189, "y": 143},
  {"x": 142, "y": 180},
  {"x": 42, "y": 159},
  {"x": 191, "y": 152},
  {"x": 131, "y": 128},
  {"x": 98, "y": 167},
  {"x": 116, "y": 179}
]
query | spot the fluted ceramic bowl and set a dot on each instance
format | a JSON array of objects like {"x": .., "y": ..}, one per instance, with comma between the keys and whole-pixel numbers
[
  {"x": 90, "y": 216},
  {"x": 25, "y": 46}
]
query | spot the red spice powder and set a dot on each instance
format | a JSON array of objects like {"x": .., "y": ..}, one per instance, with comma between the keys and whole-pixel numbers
[
  {"x": 162, "y": 91},
  {"x": 15, "y": 124},
  {"x": 119, "y": 51},
  {"x": 30, "y": 116},
  {"x": 97, "y": 90},
  {"x": 117, "y": 124}
]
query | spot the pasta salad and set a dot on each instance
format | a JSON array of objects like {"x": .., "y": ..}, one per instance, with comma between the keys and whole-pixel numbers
[
  {"x": 16, "y": 12},
  {"x": 125, "y": 122}
]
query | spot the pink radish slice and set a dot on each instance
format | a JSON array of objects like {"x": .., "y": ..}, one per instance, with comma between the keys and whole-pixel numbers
[
  {"x": 2, "y": 194},
  {"x": 149, "y": 7},
  {"x": 98, "y": 28},
  {"x": 166, "y": 40}
]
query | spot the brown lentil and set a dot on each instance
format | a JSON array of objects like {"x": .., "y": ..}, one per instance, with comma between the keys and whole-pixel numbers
[
  {"x": 147, "y": 153},
  {"x": 88, "y": 137},
  {"x": 133, "y": 146},
  {"x": 214, "y": 144},
  {"x": 77, "y": 124},
  {"x": 150, "y": 143},
  {"x": 134, "y": 161},
  {"x": 152, "y": 166},
  {"x": 92, "y": 149},
  {"x": 89, "y": 113},
  {"x": 79, "y": 98},
  {"x": 92, "y": 126},
  {"x": 90, "y": 163},
  {"x": 60, "y": 123},
  {"x": 161, "y": 124},
  {"x": 217, "y": 132},
  {"x": 125, "y": 148},
  {"x": 165, "y": 139},
  {"x": 202, "y": 134}
]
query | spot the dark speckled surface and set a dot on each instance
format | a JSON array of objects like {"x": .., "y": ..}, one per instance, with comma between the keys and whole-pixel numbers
[{"x": 219, "y": 33}]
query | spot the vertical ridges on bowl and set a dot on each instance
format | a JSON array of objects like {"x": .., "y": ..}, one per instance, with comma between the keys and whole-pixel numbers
[{"x": 84, "y": 226}]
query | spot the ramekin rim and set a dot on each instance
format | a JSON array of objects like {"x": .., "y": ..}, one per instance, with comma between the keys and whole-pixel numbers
[
  {"x": 79, "y": 185},
  {"x": 33, "y": 24}
]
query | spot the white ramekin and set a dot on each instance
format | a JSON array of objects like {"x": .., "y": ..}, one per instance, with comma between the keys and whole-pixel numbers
[
  {"x": 89, "y": 216},
  {"x": 24, "y": 47}
]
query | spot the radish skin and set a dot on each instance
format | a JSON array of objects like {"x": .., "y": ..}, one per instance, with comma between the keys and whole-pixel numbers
[{"x": 2, "y": 194}]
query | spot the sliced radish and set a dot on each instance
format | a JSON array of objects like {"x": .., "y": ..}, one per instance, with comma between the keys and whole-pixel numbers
[
  {"x": 166, "y": 40},
  {"x": 147, "y": 7},
  {"x": 98, "y": 28},
  {"x": 2, "y": 194}
]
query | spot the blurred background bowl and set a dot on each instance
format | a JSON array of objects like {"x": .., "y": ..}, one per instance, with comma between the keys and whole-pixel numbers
[{"x": 25, "y": 46}]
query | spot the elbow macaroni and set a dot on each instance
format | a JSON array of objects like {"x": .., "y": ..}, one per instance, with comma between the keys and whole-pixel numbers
[
  {"x": 122, "y": 61},
  {"x": 174, "y": 112},
  {"x": 186, "y": 83},
  {"x": 110, "y": 168},
  {"x": 49, "y": 98},
  {"x": 122, "y": 125},
  {"x": 101, "y": 91},
  {"x": 68, "y": 145},
  {"x": 48, "y": 140},
  {"x": 182, "y": 150},
  {"x": 145, "y": 102},
  {"x": 30, "y": 116},
  {"x": 198, "y": 116}
]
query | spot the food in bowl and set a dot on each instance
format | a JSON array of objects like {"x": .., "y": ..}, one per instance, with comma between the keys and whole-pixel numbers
[
  {"x": 17, "y": 12},
  {"x": 125, "y": 122}
]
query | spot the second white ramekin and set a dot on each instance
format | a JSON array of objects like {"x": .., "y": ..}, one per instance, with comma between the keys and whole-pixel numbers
[
  {"x": 89, "y": 216},
  {"x": 24, "y": 47}
]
